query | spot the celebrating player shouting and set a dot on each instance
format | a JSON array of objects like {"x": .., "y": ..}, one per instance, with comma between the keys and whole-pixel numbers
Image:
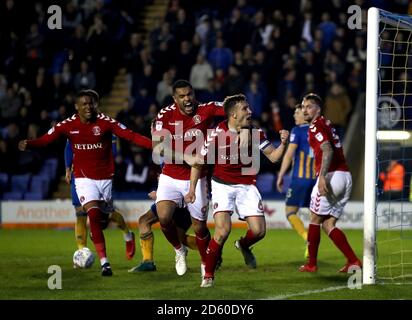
[
  {"x": 179, "y": 124},
  {"x": 232, "y": 188},
  {"x": 90, "y": 134}
]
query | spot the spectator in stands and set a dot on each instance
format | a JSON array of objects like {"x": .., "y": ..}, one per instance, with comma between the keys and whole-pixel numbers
[
  {"x": 234, "y": 82},
  {"x": 9, "y": 106},
  {"x": 337, "y": 108},
  {"x": 200, "y": 73},
  {"x": 220, "y": 57},
  {"x": 393, "y": 181},
  {"x": 85, "y": 78}
]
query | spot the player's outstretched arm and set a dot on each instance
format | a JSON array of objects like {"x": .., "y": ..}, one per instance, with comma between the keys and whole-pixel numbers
[
  {"x": 273, "y": 154},
  {"x": 121, "y": 131}
]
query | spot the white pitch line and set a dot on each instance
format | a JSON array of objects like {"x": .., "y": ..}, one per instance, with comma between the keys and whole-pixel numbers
[{"x": 305, "y": 293}]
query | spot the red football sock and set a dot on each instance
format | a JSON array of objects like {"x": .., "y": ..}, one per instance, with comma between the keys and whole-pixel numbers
[
  {"x": 249, "y": 239},
  {"x": 214, "y": 251},
  {"x": 170, "y": 233},
  {"x": 313, "y": 243},
  {"x": 202, "y": 242},
  {"x": 95, "y": 218},
  {"x": 339, "y": 239}
]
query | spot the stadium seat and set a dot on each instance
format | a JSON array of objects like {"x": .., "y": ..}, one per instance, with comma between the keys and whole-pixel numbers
[
  {"x": 264, "y": 182},
  {"x": 40, "y": 183},
  {"x": 13, "y": 195},
  {"x": 35, "y": 195},
  {"x": 20, "y": 182},
  {"x": 50, "y": 167},
  {"x": 4, "y": 180}
]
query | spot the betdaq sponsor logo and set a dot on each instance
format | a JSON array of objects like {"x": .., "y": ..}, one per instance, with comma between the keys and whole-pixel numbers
[{"x": 88, "y": 146}]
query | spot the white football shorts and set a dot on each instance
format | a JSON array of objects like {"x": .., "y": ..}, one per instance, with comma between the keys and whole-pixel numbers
[
  {"x": 341, "y": 185},
  {"x": 244, "y": 199},
  {"x": 95, "y": 190},
  {"x": 174, "y": 190}
]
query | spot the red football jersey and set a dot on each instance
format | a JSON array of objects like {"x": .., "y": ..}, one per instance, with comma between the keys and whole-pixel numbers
[
  {"x": 321, "y": 130},
  {"x": 185, "y": 131},
  {"x": 231, "y": 165},
  {"x": 91, "y": 144}
]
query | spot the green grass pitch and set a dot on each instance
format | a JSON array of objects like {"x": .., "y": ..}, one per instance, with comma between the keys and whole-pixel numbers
[{"x": 27, "y": 254}]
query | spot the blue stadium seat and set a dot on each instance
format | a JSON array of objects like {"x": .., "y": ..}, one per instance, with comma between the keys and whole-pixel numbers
[
  {"x": 40, "y": 183},
  {"x": 13, "y": 195},
  {"x": 4, "y": 181},
  {"x": 35, "y": 195},
  {"x": 20, "y": 182},
  {"x": 265, "y": 182},
  {"x": 50, "y": 167}
]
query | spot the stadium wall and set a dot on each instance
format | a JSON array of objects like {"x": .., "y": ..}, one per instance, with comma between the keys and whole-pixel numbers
[{"x": 60, "y": 214}]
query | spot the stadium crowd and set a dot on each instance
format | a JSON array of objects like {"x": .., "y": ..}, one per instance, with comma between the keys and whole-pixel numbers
[{"x": 272, "y": 51}]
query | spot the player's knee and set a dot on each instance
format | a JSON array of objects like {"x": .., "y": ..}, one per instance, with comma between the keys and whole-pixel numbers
[
  {"x": 200, "y": 227},
  {"x": 258, "y": 231},
  {"x": 222, "y": 233},
  {"x": 81, "y": 213},
  {"x": 260, "y": 234},
  {"x": 146, "y": 235},
  {"x": 327, "y": 226}
]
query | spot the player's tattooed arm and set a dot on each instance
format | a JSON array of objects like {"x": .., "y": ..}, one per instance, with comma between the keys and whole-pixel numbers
[{"x": 327, "y": 154}]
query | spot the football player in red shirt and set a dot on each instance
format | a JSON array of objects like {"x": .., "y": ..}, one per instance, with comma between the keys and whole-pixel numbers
[
  {"x": 178, "y": 127},
  {"x": 90, "y": 134},
  {"x": 233, "y": 181},
  {"x": 333, "y": 186}
]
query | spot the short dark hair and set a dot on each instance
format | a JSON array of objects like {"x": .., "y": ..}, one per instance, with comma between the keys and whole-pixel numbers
[
  {"x": 181, "y": 84},
  {"x": 84, "y": 93},
  {"x": 94, "y": 95},
  {"x": 230, "y": 102},
  {"x": 314, "y": 97}
]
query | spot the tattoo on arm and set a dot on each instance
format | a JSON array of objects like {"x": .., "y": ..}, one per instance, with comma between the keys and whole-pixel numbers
[{"x": 327, "y": 154}]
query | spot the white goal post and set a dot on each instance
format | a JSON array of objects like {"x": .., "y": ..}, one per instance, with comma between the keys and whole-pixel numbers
[
  {"x": 385, "y": 74},
  {"x": 369, "y": 229}
]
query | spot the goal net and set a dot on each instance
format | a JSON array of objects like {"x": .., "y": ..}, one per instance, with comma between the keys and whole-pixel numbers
[{"x": 388, "y": 149}]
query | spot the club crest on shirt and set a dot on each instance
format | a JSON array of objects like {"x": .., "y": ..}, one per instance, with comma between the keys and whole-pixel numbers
[
  {"x": 215, "y": 205},
  {"x": 319, "y": 137},
  {"x": 197, "y": 119},
  {"x": 159, "y": 125},
  {"x": 96, "y": 130},
  {"x": 81, "y": 199}
]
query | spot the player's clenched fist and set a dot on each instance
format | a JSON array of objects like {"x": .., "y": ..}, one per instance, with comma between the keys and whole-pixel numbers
[{"x": 284, "y": 136}]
